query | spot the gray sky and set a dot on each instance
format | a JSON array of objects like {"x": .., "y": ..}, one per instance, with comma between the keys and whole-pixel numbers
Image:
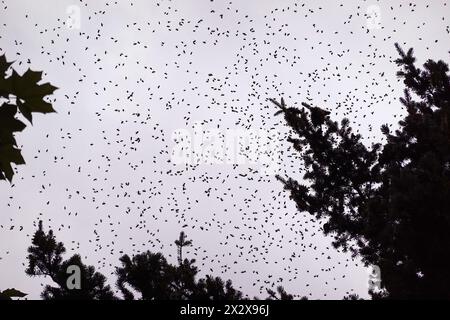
[{"x": 100, "y": 173}]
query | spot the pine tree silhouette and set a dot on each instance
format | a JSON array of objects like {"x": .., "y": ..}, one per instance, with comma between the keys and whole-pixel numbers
[
  {"x": 145, "y": 276},
  {"x": 282, "y": 294},
  {"x": 388, "y": 204},
  {"x": 180, "y": 243},
  {"x": 45, "y": 259},
  {"x": 154, "y": 278}
]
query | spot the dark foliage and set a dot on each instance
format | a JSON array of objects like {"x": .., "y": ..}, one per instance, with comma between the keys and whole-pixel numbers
[
  {"x": 389, "y": 204},
  {"x": 18, "y": 93},
  {"x": 154, "y": 278},
  {"x": 282, "y": 294},
  {"x": 45, "y": 259},
  {"x": 146, "y": 276},
  {"x": 8, "y": 294}
]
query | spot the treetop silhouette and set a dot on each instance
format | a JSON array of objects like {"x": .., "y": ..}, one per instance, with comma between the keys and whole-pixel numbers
[
  {"x": 387, "y": 203},
  {"x": 145, "y": 276}
]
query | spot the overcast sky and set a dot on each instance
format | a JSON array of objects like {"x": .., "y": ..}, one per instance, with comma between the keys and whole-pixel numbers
[{"x": 100, "y": 172}]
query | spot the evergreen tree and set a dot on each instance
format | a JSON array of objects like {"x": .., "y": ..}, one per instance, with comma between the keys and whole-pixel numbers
[
  {"x": 154, "y": 278},
  {"x": 282, "y": 294},
  {"x": 147, "y": 274},
  {"x": 45, "y": 259},
  {"x": 388, "y": 204},
  {"x": 181, "y": 243}
]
